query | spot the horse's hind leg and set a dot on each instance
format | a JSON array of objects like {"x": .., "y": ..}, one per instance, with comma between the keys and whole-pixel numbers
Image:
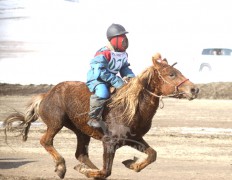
[
  {"x": 82, "y": 154},
  {"x": 82, "y": 150},
  {"x": 47, "y": 142}
]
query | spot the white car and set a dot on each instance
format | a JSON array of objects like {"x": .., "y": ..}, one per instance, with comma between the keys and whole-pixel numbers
[{"x": 215, "y": 65}]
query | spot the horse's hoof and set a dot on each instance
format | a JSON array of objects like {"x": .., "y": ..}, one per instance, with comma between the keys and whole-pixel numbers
[
  {"x": 60, "y": 171},
  {"x": 128, "y": 163},
  {"x": 78, "y": 167},
  {"x": 131, "y": 163},
  {"x": 82, "y": 169},
  {"x": 88, "y": 172}
]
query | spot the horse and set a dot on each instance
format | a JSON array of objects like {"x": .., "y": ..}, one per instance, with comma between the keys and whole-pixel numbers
[{"x": 127, "y": 116}]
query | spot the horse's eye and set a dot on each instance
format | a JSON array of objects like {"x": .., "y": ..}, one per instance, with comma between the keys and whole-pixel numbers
[{"x": 172, "y": 75}]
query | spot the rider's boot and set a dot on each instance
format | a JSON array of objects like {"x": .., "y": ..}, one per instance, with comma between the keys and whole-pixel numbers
[{"x": 96, "y": 109}]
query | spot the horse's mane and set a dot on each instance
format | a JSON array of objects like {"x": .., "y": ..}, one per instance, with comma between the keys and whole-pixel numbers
[{"x": 129, "y": 95}]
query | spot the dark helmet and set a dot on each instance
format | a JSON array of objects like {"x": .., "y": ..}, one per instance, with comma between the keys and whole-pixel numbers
[{"x": 115, "y": 30}]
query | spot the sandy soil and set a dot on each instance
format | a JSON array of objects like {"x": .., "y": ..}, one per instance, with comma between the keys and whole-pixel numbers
[{"x": 193, "y": 140}]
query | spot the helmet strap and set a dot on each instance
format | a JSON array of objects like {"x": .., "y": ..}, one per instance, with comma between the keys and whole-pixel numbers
[{"x": 116, "y": 48}]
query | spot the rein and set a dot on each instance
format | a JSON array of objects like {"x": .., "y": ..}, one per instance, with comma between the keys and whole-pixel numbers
[{"x": 161, "y": 96}]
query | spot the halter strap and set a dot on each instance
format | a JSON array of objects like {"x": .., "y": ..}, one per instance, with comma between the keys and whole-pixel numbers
[
  {"x": 176, "y": 93},
  {"x": 176, "y": 86}
]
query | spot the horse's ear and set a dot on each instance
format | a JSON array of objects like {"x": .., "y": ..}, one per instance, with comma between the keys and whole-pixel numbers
[{"x": 165, "y": 61}]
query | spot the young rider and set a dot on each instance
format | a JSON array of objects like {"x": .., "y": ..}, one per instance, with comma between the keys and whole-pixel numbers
[{"x": 105, "y": 66}]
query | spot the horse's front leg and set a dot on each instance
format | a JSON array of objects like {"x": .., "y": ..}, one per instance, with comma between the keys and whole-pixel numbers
[
  {"x": 142, "y": 146},
  {"x": 110, "y": 146}
]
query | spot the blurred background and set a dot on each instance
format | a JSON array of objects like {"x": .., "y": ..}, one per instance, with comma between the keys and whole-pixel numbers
[{"x": 49, "y": 41}]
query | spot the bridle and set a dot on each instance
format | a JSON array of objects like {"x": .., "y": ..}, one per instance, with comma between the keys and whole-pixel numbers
[{"x": 176, "y": 92}]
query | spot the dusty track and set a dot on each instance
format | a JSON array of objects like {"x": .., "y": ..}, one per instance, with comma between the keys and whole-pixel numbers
[{"x": 193, "y": 140}]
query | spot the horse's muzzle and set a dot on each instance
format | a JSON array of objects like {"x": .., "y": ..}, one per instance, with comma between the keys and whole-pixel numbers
[{"x": 193, "y": 93}]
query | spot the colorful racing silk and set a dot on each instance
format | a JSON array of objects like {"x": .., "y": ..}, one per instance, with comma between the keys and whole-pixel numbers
[{"x": 106, "y": 67}]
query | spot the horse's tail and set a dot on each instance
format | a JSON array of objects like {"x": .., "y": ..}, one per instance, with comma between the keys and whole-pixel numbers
[{"x": 23, "y": 121}]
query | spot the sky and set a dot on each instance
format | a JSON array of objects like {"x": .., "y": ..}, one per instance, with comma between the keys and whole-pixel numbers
[{"x": 67, "y": 34}]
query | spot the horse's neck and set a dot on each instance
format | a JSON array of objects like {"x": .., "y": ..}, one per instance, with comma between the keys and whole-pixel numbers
[
  {"x": 150, "y": 103},
  {"x": 146, "y": 110},
  {"x": 148, "y": 107}
]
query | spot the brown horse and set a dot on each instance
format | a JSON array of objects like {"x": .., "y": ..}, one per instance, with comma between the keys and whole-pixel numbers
[{"x": 127, "y": 116}]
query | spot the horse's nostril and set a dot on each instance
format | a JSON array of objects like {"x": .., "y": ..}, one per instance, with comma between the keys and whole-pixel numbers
[{"x": 194, "y": 90}]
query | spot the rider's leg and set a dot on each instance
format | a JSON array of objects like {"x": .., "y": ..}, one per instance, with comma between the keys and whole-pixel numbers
[{"x": 97, "y": 102}]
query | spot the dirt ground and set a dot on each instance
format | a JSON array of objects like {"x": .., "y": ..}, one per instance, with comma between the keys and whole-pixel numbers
[{"x": 193, "y": 140}]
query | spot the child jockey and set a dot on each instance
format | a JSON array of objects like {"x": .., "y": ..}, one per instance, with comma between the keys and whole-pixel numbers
[{"x": 105, "y": 66}]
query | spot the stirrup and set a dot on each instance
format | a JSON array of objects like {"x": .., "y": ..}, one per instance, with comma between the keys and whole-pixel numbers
[{"x": 94, "y": 123}]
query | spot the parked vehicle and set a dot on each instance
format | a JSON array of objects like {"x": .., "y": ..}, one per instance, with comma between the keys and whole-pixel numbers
[{"x": 214, "y": 64}]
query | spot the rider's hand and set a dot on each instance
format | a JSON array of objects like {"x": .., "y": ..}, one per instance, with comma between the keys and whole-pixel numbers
[
  {"x": 112, "y": 90},
  {"x": 126, "y": 79}
]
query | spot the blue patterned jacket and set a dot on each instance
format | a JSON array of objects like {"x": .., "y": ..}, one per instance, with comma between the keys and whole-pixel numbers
[{"x": 105, "y": 67}]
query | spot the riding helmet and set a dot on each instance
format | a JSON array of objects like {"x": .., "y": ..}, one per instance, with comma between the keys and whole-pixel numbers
[{"x": 115, "y": 30}]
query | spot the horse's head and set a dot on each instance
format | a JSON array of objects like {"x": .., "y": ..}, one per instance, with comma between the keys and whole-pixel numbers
[{"x": 173, "y": 83}]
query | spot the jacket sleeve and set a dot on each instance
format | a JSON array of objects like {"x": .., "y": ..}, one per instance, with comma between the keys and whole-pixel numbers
[
  {"x": 99, "y": 65},
  {"x": 126, "y": 71}
]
